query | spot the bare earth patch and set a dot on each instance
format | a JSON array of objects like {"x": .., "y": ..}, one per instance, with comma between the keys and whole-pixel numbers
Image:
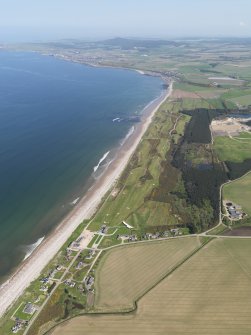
[
  {"x": 229, "y": 126},
  {"x": 240, "y": 231}
]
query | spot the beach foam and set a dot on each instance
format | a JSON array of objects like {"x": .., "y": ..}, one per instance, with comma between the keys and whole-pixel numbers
[
  {"x": 101, "y": 160},
  {"x": 29, "y": 249},
  {"x": 130, "y": 132},
  {"x": 75, "y": 201}
]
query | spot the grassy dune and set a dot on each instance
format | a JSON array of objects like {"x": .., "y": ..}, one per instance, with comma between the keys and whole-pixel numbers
[
  {"x": 207, "y": 295},
  {"x": 126, "y": 273},
  {"x": 239, "y": 191}
]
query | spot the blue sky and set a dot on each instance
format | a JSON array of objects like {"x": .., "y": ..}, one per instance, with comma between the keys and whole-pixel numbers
[{"x": 27, "y": 20}]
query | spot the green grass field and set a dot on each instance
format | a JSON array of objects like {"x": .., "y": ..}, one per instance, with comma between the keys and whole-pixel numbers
[
  {"x": 207, "y": 295},
  {"x": 127, "y": 272},
  {"x": 239, "y": 191},
  {"x": 232, "y": 149},
  {"x": 245, "y": 135},
  {"x": 180, "y": 128}
]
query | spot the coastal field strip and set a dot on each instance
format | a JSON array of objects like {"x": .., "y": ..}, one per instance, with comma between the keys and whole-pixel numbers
[
  {"x": 127, "y": 272},
  {"x": 207, "y": 295},
  {"x": 239, "y": 191},
  {"x": 129, "y": 200}
]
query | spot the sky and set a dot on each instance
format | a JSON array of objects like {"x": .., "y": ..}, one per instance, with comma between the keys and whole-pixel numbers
[{"x": 48, "y": 20}]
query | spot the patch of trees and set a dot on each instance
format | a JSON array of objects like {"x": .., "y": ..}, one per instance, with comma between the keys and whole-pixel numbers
[
  {"x": 236, "y": 170},
  {"x": 198, "y": 131},
  {"x": 202, "y": 202}
]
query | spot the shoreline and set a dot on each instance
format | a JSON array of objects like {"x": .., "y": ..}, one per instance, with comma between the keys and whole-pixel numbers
[{"x": 86, "y": 207}]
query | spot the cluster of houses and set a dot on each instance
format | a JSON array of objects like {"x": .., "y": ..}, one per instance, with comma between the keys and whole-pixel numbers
[
  {"x": 29, "y": 309},
  {"x": 234, "y": 211},
  {"x": 45, "y": 280},
  {"x": 167, "y": 233},
  {"x": 68, "y": 254},
  {"x": 128, "y": 238},
  {"x": 150, "y": 236},
  {"x": 103, "y": 229},
  {"x": 69, "y": 283},
  {"x": 76, "y": 244},
  {"x": 80, "y": 265},
  {"x": 91, "y": 254},
  {"x": 89, "y": 281},
  {"x": 19, "y": 324}
]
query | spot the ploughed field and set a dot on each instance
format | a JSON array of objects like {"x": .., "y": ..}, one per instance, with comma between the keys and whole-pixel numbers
[
  {"x": 207, "y": 295},
  {"x": 239, "y": 231}
]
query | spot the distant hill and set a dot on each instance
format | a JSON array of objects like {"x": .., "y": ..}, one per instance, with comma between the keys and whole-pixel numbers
[
  {"x": 125, "y": 43},
  {"x": 121, "y": 43}
]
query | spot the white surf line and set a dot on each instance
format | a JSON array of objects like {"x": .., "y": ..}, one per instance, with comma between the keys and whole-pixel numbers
[
  {"x": 101, "y": 160},
  {"x": 32, "y": 247},
  {"x": 75, "y": 201},
  {"x": 130, "y": 132}
]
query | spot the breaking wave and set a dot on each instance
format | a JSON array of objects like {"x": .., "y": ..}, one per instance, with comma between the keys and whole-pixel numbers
[
  {"x": 29, "y": 249},
  {"x": 101, "y": 160},
  {"x": 130, "y": 132}
]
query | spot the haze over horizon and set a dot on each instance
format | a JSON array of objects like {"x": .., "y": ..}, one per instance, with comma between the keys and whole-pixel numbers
[{"x": 28, "y": 21}]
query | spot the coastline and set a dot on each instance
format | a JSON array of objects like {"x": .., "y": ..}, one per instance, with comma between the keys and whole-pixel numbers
[{"x": 30, "y": 269}]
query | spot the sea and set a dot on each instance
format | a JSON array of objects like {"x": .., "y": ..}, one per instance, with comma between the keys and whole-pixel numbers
[{"x": 60, "y": 123}]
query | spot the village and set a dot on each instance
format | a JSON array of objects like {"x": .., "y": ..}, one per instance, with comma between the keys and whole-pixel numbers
[{"x": 75, "y": 269}]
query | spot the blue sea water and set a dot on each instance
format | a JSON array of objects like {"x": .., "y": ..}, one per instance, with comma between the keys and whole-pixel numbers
[{"x": 56, "y": 122}]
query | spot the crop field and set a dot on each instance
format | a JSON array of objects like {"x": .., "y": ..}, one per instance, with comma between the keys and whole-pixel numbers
[
  {"x": 126, "y": 273},
  {"x": 203, "y": 96},
  {"x": 207, "y": 295},
  {"x": 239, "y": 191},
  {"x": 232, "y": 149}
]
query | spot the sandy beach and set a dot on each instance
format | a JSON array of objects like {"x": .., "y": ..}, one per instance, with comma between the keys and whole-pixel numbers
[{"x": 30, "y": 269}]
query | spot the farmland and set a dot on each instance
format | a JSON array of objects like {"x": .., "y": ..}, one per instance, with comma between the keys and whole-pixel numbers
[
  {"x": 141, "y": 266},
  {"x": 207, "y": 295},
  {"x": 239, "y": 191}
]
